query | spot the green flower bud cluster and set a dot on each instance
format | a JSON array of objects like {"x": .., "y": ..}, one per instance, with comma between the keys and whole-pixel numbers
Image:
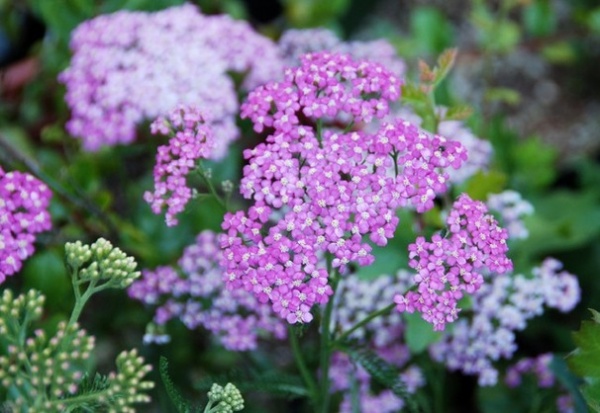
[
  {"x": 45, "y": 373},
  {"x": 101, "y": 262},
  {"x": 127, "y": 385},
  {"x": 16, "y": 313},
  {"x": 226, "y": 399}
]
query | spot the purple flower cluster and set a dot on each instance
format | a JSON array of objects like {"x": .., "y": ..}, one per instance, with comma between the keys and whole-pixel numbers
[
  {"x": 512, "y": 209},
  {"x": 131, "y": 66},
  {"x": 194, "y": 292},
  {"x": 540, "y": 367},
  {"x": 500, "y": 308},
  {"x": 24, "y": 202},
  {"x": 191, "y": 139},
  {"x": 325, "y": 188},
  {"x": 356, "y": 299},
  {"x": 449, "y": 266}
]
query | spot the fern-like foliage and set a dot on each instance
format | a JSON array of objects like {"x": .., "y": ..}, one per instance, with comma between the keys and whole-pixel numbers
[
  {"x": 383, "y": 372},
  {"x": 181, "y": 405},
  {"x": 271, "y": 382}
]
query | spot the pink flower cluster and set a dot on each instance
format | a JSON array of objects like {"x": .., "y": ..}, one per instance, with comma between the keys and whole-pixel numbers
[
  {"x": 449, "y": 266},
  {"x": 480, "y": 151},
  {"x": 194, "y": 292},
  {"x": 326, "y": 189},
  {"x": 191, "y": 139},
  {"x": 24, "y": 202},
  {"x": 131, "y": 66},
  {"x": 500, "y": 308}
]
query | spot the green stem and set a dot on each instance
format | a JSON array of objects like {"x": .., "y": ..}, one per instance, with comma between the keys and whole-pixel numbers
[
  {"x": 320, "y": 132},
  {"x": 326, "y": 340},
  {"x": 301, "y": 363},
  {"x": 81, "y": 300},
  {"x": 211, "y": 188},
  {"x": 383, "y": 311}
]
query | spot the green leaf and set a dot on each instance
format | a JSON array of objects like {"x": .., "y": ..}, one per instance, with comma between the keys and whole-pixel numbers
[
  {"x": 539, "y": 18},
  {"x": 444, "y": 64},
  {"x": 484, "y": 183},
  {"x": 419, "y": 333},
  {"x": 431, "y": 30},
  {"x": 176, "y": 398},
  {"x": 503, "y": 95},
  {"x": 383, "y": 372},
  {"x": 458, "y": 112},
  {"x": 585, "y": 360}
]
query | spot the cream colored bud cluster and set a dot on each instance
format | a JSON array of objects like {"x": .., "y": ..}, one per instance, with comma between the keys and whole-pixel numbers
[
  {"x": 13, "y": 310},
  {"x": 229, "y": 398},
  {"x": 108, "y": 263},
  {"x": 127, "y": 386},
  {"x": 39, "y": 369}
]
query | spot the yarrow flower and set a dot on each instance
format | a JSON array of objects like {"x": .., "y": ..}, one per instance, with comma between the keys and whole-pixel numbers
[
  {"x": 194, "y": 293},
  {"x": 326, "y": 188},
  {"x": 500, "y": 308},
  {"x": 480, "y": 150},
  {"x": 24, "y": 202},
  {"x": 131, "y": 66},
  {"x": 512, "y": 209},
  {"x": 191, "y": 139},
  {"x": 447, "y": 267}
]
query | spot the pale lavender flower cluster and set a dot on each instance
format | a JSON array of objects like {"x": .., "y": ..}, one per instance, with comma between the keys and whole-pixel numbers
[
  {"x": 356, "y": 299},
  {"x": 500, "y": 308},
  {"x": 343, "y": 371},
  {"x": 194, "y": 293},
  {"x": 512, "y": 209},
  {"x": 327, "y": 189},
  {"x": 479, "y": 150},
  {"x": 449, "y": 266},
  {"x": 191, "y": 139},
  {"x": 540, "y": 367},
  {"x": 296, "y": 42},
  {"x": 131, "y": 66},
  {"x": 24, "y": 202}
]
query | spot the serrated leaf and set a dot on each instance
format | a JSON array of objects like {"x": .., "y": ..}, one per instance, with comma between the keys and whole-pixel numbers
[
  {"x": 383, "y": 372},
  {"x": 176, "y": 398},
  {"x": 444, "y": 64},
  {"x": 458, "y": 112},
  {"x": 413, "y": 94}
]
